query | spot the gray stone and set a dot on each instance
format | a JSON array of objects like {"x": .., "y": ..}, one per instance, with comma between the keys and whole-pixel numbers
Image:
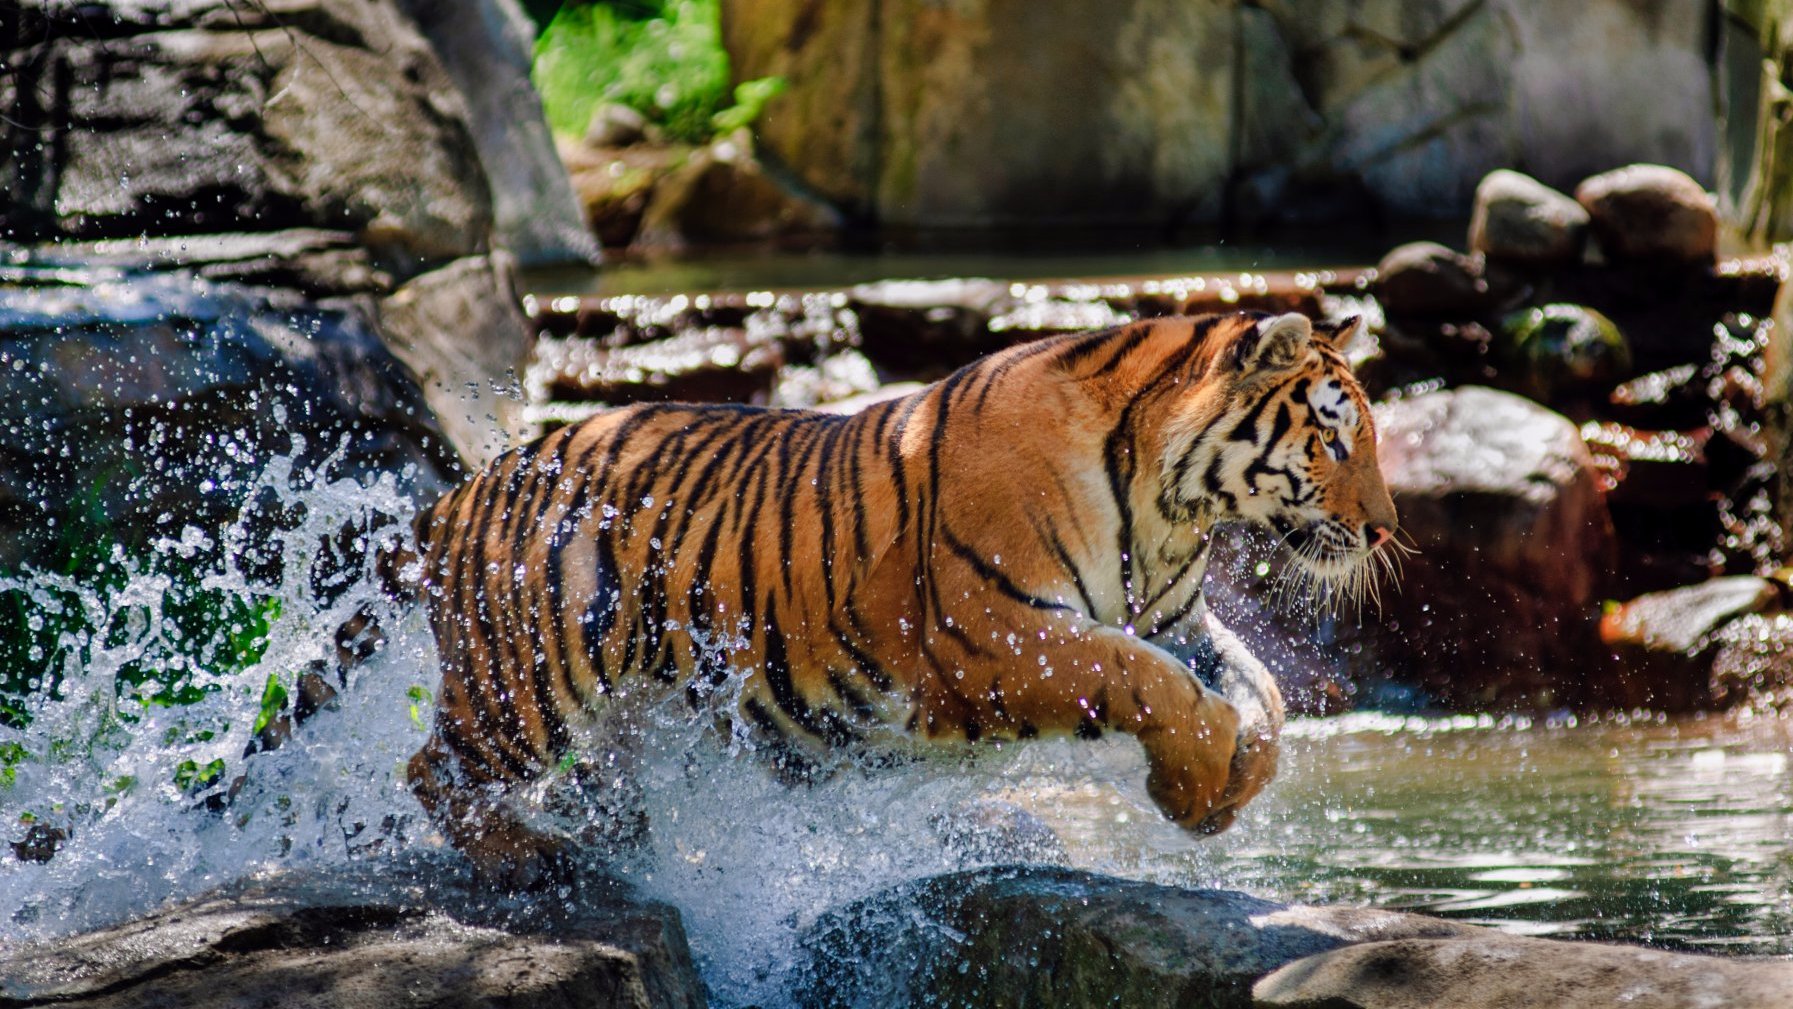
[
  {"x": 1498, "y": 495},
  {"x": 1512, "y": 971},
  {"x": 486, "y": 47},
  {"x": 1060, "y": 937},
  {"x": 1428, "y": 279},
  {"x": 1650, "y": 213},
  {"x": 460, "y": 329},
  {"x": 211, "y": 118},
  {"x": 320, "y": 943},
  {"x": 1518, "y": 219}
]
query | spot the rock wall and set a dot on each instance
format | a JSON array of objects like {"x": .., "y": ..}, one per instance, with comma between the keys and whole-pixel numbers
[
  {"x": 1156, "y": 112},
  {"x": 317, "y": 146}
]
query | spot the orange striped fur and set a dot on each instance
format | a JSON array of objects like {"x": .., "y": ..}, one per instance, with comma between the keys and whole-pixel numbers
[{"x": 1014, "y": 551}]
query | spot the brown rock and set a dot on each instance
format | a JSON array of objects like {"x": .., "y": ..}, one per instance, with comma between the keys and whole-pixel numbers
[
  {"x": 1665, "y": 642},
  {"x": 928, "y": 328},
  {"x": 1518, "y": 219},
  {"x": 721, "y": 195},
  {"x": 1514, "y": 542},
  {"x": 1514, "y": 971},
  {"x": 1650, "y": 213},
  {"x": 1427, "y": 279}
]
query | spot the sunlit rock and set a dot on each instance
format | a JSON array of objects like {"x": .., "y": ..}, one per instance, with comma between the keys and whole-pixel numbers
[
  {"x": 486, "y": 47},
  {"x": 979, "y": 114},
  {"x": 1503, "y": 970},
  {"x": 1650, "y": 213},
  {"x": 1518, "y": 219},
  {"x": 1499, "y": 497},
  {"x": 1059, "y": 937},
  {"x": 1665, "y": 642},
  {"x": 357, "y": 941}
]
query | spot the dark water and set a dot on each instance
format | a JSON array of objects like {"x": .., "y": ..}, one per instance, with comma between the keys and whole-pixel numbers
[
  {"x": 1674, "y": 833},
  {"x": 1032, "y": 257}
]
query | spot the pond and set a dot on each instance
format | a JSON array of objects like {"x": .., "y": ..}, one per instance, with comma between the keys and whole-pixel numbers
[
  {"x": 1035, "y": 256},
  {"x": 1668, "y": 832}
]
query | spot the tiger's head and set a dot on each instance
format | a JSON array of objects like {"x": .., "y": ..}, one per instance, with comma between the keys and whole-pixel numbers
[{"x": 1281, "y": 436}]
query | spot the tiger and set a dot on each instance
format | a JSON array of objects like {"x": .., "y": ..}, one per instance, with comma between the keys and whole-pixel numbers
[{"x": 1015, "y": 551}]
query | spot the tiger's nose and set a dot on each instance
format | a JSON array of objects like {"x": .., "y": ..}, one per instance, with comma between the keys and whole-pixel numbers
[{"x": 1377, "y": 534}]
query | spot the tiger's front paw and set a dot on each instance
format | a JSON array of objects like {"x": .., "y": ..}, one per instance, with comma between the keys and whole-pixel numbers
[{"x": 1191, "y": 763}]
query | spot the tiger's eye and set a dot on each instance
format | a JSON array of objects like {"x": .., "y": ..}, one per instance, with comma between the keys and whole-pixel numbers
[{"x": 1329, "y": 434}]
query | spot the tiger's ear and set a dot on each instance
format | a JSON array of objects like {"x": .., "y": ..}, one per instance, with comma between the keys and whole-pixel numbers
[
  {"x": 1274, "y": 344},
  {"x": 1338, "y": 334}
]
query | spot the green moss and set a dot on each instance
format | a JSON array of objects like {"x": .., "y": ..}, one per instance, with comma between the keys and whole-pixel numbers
[{"x": 663, "y": 58}]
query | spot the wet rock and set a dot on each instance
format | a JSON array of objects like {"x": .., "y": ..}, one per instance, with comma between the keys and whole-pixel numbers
[
  {"x": 1650, "y": 213},
  {"x": 209, "y": 117},
  {"x": 1519, "y": 220},
  {"x": 1559, "y": 353},
  {"x": 1665, "y": 642},
  {"x": 716, "y": 365},
  {"x": 1671, "y": 399},
  {"x": 460, "y": 331},
  {"x": 1036, "y": 319},
  {"x": 1500, "y": 498},
  {"x": 1503, "y": 970},
  {"x": 1654, "y": 469},
  {"x": 1045, "y": 936},
  {"x": 1752, "y": 661},
  {"x": 370, "y": 945},
  {"x": 210, "y": 381},
  {"x": 929, "y": 327},
  {"x": 1427, "y": 279}
]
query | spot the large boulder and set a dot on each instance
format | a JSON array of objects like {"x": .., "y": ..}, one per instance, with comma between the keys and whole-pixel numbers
[
  {"x": 914, "y": 113},
  {"x": 1650, "y": 213},
  {"x": 365, "y": 942},
  {"x": 1513, "y": 543},
  {"x": 1060, "y": 937},
  {"x": 320, "y": 148},
  {"x": 1428, "y": 279}
]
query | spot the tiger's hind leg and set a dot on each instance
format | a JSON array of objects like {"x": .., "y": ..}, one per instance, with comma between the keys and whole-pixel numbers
[{"x": 479, "y": 822}]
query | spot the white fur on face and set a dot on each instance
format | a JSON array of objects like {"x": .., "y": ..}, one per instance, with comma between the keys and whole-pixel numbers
[{"x": 1334, "y": 408}]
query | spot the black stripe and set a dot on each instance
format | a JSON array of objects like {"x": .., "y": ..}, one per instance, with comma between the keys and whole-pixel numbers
[{"x": 992, "y": 574}]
